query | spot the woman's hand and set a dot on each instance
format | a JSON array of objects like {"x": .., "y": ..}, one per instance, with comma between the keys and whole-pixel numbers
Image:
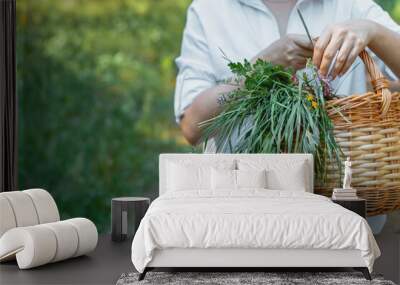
[
  {"x": 290, "y": 51},
  {"x": 345, "y": 39}
]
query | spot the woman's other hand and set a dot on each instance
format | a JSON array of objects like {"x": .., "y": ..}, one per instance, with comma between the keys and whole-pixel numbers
[
  {"x": 345, "y": 39},
  {"x": 290, "y": 51}
]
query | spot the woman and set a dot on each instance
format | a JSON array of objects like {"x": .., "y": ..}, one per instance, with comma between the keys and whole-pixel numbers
[{"x": 272, "y": 30}]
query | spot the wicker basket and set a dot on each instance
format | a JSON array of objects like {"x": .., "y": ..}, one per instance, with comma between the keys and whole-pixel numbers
[{"x": 368, "y": 131}]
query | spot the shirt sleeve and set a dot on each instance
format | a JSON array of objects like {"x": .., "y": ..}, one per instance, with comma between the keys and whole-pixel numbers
[
  {"x": 368, "y": 9},
  {"x": 195, "y": 71}
]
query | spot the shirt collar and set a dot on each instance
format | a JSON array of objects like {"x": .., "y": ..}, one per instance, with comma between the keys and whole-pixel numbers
[{"x": 259, "y": 5}]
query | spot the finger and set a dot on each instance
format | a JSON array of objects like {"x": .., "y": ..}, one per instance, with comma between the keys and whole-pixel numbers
[
  {"x": 350, "y": 60},
  {"x": 342, "y": 57},
  {"x": 303, "y": 42},
  {"x": 320, "y": 46},
  {"x": 305, "y": 53},
  {"x": 329, "y": 54},
  {"x": 357, "y": 48}
]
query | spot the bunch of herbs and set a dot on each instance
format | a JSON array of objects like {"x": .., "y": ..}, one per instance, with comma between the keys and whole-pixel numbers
[{"x": 274, "y": 111}]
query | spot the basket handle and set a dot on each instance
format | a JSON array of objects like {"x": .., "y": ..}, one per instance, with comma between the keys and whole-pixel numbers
[{"x": 378, "y": 81}]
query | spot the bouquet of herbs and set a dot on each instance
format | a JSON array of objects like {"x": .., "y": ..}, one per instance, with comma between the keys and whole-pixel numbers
[{"x": 274, "y": 111}]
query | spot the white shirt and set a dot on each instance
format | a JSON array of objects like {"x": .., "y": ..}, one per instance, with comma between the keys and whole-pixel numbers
[{"x": 241, "y": 28}]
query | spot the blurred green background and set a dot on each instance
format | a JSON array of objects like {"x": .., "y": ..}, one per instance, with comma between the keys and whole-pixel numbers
[{"x": 95, "y": 82}]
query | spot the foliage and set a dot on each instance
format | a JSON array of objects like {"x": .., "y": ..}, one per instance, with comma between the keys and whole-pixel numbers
[
  {"x": 95, "y": 87},
  {"x": 274, "y": 112},
  {"x": 392, "y": 6}
]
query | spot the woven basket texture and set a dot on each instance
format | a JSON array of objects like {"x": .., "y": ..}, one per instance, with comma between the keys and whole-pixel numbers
[{"x": 367, "y": 128}]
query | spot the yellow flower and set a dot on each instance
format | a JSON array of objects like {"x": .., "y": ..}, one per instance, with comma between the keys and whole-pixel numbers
[
  {"x": 310, "y": 97},
  {"x": 314, "y": 104}
]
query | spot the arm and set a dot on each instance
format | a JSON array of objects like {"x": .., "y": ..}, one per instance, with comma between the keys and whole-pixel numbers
[
  {"x": 385, "y": 44},
  {"x": 292, "y": 50},
  {"x": 205, "y": 106},
  {"x": 348, "y": 39},
  {"x": 370, "y": 26}
]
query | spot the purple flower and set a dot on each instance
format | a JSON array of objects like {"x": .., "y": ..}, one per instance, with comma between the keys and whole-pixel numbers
[{"x": 326, "y": 85}]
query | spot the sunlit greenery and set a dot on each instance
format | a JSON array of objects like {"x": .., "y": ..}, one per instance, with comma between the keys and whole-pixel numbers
[
  {"x": 392, "y": 6},
  {"x": 95, "y": 85}
]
